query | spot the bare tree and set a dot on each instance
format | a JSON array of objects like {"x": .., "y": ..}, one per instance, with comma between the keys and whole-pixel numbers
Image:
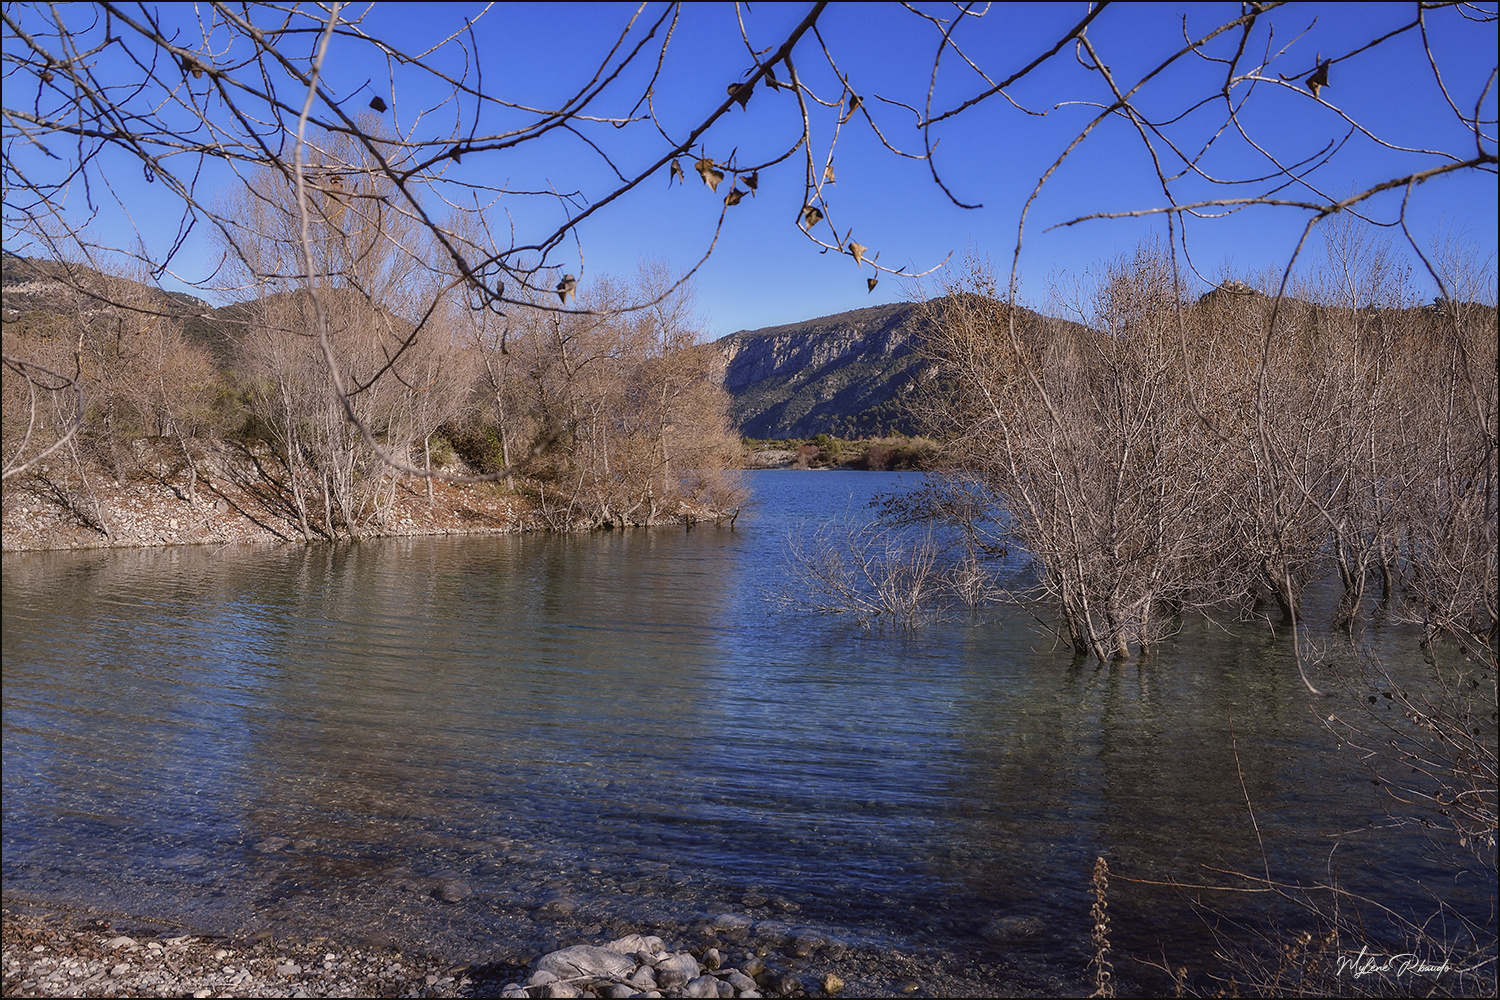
[
  {"x": 101, "y": 376},
  {"x": 1086, "y": 436},
  {"x": 619, "y": 414}
]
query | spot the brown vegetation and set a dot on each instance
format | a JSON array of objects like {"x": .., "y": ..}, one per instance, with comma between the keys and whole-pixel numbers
[
  {"x": 606, "y": 417},
  {"x": 1178, "y": 455}
]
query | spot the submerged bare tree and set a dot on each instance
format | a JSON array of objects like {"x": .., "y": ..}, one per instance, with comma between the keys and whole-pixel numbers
[
  {"x": 1166, "y": 455},
  {"x": 1086, "y": 436}
]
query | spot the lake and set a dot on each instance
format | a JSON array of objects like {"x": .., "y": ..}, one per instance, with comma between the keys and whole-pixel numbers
[{"x": 635, "y": 729}]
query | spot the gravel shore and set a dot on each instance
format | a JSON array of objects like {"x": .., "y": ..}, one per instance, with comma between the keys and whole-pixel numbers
[
  {"x": 226, "y": 505},
  {"x": 58, "y": 954},
  {"x": 56, "y": 951}
]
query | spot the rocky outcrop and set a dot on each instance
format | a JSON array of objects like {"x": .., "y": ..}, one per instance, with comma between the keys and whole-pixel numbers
[{"x": 845, "y": 375}]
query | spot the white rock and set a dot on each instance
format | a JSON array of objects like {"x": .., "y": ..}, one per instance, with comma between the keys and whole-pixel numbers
[
  {"x": 702, "y": 986},
  {"x": 676, "y": 971},
  {"x": 632, "y": 943},
  {"x": 586, "y": 960},
  {"x": 739, "y": 980}
]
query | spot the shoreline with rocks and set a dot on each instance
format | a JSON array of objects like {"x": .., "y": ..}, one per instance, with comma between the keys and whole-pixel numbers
[
  {"x": 229, "y": 506},
  {"x": 58, "y": 951},
  {"x": 227, "y": 503}
]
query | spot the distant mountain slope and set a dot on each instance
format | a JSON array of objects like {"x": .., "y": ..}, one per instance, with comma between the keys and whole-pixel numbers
[
  {"x": 32, "y": 285},
  {"x": 846, "y": 375},
  {"x": 35, "y": 289}
]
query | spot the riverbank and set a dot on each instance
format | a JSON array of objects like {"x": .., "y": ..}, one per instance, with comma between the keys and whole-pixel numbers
[
  {"x": 138, "y": 514},
  {"x": 54, "y": 951},
  {"x": 233, "y": 499}
]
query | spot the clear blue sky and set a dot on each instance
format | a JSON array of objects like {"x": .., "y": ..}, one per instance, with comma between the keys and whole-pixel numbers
[{"x": 764, "y": 271}]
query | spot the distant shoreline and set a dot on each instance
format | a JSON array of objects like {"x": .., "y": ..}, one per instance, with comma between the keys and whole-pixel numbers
[{"x": 225, "y": 509}]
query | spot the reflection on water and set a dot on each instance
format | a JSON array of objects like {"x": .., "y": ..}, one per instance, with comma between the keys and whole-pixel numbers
[{"x": 623, "y": 729}]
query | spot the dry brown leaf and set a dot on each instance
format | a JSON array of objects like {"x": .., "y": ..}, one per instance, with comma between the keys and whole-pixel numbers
[
  {"x": 740, "y": 92},
  {"x": 1319, "y": 78},
  {"x": 710, "y": 173}
]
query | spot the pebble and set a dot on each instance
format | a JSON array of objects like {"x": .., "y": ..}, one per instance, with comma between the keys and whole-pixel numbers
[
  {"x": 452, "y": 890},
  {"x": 734, "y": 924},
  {"x": 556, "y": 908}
]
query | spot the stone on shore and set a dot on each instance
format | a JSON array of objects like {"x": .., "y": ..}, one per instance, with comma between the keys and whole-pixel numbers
[
  {"x": 675, "y": 972},
  {"x": 451, "y": 890},
  {"x": 586, "y": 961},
  {"x": 631, "y": 944}
]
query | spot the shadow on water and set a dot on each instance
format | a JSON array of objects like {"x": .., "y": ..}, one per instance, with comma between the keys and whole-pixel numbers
[{"x": 592, "y": 732}]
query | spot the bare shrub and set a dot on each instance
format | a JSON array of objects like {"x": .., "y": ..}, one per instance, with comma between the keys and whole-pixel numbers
[
  {"x": 618, "y": 414},
  {"x": 1086, "y": 438},
  {"x": 871, "y": 573},
  {"x": 1169, "y": 455}
]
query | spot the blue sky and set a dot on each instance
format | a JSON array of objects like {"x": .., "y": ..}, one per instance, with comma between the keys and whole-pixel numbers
[{"x": 764, "y": 271}]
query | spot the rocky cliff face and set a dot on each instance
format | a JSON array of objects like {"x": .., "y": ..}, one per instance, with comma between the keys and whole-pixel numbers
[{"x": 844, "y": 375}]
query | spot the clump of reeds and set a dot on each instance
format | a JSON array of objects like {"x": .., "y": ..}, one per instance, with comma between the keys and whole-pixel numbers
[{"x": 1103, "y": 969}]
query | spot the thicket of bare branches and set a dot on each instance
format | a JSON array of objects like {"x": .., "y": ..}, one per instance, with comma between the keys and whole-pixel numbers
[
  {"x": 88, "y": 381},
  {"x": 1165, "y": 455},
  {"x": 618, "y": 413}
]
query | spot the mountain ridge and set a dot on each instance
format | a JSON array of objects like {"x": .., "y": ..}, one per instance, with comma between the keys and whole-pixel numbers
[{"x": 848, "y": 374}]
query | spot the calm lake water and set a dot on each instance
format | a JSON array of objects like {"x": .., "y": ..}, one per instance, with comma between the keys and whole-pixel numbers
[{"x": 628, "y": 729}]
